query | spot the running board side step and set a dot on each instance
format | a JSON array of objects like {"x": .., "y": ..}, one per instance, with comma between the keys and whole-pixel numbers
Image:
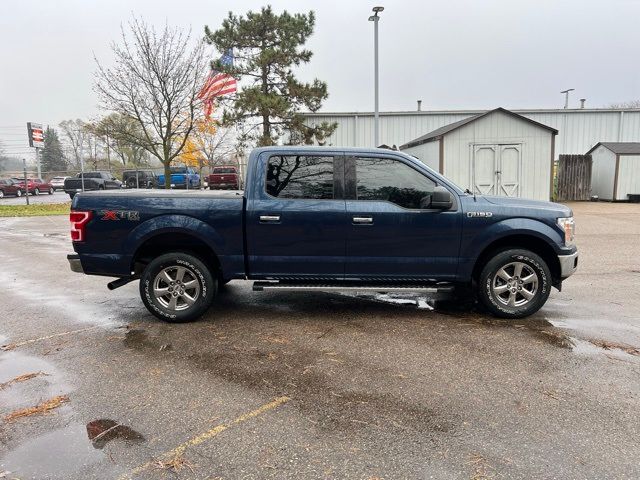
[{"x": 261, "y": 286}]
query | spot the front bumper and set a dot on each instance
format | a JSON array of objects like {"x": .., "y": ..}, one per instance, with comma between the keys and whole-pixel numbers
[
  {"x": 568, "y": 264},
  {"x": 74, "y": 263}
]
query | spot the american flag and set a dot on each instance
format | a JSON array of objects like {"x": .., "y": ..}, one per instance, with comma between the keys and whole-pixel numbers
[{"x": 217, "y": 84}]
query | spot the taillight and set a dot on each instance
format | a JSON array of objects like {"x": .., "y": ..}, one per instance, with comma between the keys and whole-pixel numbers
[{"x": 79, "y": 220}]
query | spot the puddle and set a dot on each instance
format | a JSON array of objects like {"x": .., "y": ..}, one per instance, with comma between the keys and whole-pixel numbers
[
  {"x": 55, "y": 455},
  {"x": 420, "y": 301},
  {"x": 103, "y": 431},
  {"x": 14, "y": 364}
]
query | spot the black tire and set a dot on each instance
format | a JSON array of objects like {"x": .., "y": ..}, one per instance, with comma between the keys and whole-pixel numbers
[
  {"x": 1, "y": 193},
  {"x": 19, "y": 193},
  {"x": 51, "y": 190},
  {"x": 505, "y": 292},
  {"x": 36, "y": 191},
  {"x": 131, "y": 183},
  {"x": 203, "y": 291}
]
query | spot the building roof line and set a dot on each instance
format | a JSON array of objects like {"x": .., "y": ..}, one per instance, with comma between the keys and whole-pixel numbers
[
  {"x": 471, "y": 112},
  {"x": 440, "y": 132}
]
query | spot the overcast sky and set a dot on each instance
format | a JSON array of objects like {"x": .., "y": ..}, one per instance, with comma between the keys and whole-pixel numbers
[{"x": 452, "y": 54}]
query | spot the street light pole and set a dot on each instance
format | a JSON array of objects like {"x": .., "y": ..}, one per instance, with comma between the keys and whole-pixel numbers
[
  {"x": 566, "y": 96},
  {"x": 376, "y": 129}
]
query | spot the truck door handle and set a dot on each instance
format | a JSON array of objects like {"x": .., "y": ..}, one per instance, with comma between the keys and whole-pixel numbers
[
  {"x": 363, "y": 220},
  {"x": 269, "y": 218}
]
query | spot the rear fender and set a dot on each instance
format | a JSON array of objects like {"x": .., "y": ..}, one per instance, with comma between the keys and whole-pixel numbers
[{"x": 175, "y": 224}]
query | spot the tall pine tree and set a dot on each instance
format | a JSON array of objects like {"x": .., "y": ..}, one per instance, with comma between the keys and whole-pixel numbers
[
  {"x": 52, "y": 158},
  {"x": 266, "y": 48}
]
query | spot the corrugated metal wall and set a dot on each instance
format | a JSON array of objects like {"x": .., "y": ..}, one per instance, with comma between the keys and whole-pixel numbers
[{"x": 579, "y": 130}]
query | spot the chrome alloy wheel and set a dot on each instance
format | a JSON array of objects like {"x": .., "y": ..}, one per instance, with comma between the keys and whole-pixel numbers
[
  {"x": 176, "y": 288},
  {"x": 515, "y": 284}
]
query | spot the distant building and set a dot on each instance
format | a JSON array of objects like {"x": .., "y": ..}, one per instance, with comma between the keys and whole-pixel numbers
[
  {"x": 615, "y": 172},
  {"x": 493, "y": 153},
  {"x": 578, "y": 129}
]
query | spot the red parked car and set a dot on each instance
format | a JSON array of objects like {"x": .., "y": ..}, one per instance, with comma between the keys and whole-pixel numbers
[
  {"x": 8, "y": 186},
  {"x": 223, "y": 177},
  {"x": 36, "y": 186}
]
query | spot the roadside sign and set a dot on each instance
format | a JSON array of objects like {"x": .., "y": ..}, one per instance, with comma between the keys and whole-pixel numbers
[{"x": 36, "y": 135}]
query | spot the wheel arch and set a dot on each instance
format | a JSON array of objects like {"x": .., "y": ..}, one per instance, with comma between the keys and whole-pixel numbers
[
  {"x": 169, "y": 233},
  {"x": 174, "y": 241},
  {"x": 529, "y": 242}
]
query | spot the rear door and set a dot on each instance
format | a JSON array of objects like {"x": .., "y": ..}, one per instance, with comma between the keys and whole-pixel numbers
[
  {"x": 296, "y": 217},
  {"x": 392, "y": 233}
]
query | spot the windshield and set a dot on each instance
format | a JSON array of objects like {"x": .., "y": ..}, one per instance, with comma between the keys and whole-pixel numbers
[{"x": 224, "y": 170}]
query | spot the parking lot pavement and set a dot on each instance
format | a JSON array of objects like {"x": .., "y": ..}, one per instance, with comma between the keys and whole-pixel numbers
[
  {"x": 283, "y": 385},
  {"x": 57, "y": 197}
]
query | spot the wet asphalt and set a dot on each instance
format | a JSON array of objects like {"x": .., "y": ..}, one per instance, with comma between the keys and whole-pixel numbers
[
  {"x": 44, "y": 198},
  {"x": 283, "y": 385}
]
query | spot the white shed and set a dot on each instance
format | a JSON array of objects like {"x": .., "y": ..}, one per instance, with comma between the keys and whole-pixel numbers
[
  {"x": 615, "y": 172},
  {"x": 494, "y": 153}
]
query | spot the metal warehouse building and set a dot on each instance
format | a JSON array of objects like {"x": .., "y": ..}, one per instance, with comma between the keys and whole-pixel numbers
[
  {"x": 578, "y": 129},
  {"x": 493, "y": 153},
  {"x": 616, "y": 170}
]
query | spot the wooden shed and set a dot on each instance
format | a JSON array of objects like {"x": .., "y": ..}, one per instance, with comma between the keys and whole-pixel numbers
[
  {"x": 615, "y": 173},
  {"x": 493, "y": 153}
]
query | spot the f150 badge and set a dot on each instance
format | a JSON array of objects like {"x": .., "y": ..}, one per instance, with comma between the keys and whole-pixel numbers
[
  {"x": 130, "y": 215},
  {"x": 479, "y": 214}
]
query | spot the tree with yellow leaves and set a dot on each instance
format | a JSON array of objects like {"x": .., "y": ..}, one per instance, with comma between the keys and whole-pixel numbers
[{"x": 207, "y": 145}]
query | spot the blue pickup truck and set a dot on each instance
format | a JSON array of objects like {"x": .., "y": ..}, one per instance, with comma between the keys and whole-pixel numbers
[
  {"x": 181, "y": 177},
  {"x": 325, "y": 219}
]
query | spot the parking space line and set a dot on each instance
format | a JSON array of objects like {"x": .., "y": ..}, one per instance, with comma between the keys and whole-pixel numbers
[
  {"x": 11, "y": 346},
  {"x": 203, "y": 437}
]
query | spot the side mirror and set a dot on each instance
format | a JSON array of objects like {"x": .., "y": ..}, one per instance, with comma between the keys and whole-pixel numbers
[{"x": 441, "y": 198}]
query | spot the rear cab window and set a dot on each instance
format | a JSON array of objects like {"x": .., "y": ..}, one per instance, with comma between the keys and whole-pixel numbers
[{"x": 300, "y": 177}]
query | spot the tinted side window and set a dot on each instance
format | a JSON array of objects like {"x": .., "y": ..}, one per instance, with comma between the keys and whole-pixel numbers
[
  {"x": 393, "y": 181},
  {"x": 300, "y": 176}
]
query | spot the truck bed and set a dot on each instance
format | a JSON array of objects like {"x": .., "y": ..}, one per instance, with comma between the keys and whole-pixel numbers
[{"x": 123, "y": 220}]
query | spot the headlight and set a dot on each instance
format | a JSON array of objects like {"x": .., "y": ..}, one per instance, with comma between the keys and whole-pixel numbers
[{"x": 568, "y": 225}]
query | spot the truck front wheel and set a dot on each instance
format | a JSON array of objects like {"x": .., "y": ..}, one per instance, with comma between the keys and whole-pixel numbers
[
  {"x": 514, "y": 283},
  {"x": 177, "y": 287}
]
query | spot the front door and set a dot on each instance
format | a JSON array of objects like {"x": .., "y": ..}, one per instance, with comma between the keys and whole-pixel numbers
[
  {"x": 296, "y": 220},
  {"x": 496, "y": 169},
  {"x": 392, "y": 233}
]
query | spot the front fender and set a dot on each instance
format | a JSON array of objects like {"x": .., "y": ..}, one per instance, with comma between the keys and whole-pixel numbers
[{"x": 474, "y": 243}]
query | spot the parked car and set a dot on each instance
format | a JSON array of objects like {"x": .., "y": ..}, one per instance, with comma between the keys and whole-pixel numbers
[
  {"x": 92, "y": 181},
  {"x": 8, "y": 186},
  {"x": 36, "y": 186},
  {"x": 224, "y": 177},
  {"x": 326, "y": 219},
  {"x": 181, "y": 177},
  {"x": 139, "y": 178},
  {"x": 58, "y": 182}
]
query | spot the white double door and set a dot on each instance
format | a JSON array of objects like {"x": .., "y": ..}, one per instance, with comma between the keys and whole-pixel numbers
[{"x": 496, "y": 169}]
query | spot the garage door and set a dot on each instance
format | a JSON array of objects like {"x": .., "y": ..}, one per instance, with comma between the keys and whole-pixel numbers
[{"x": 496, "y": 169}]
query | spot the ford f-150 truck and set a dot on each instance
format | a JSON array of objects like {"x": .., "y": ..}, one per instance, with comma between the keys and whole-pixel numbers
[{"x": 325, "y": 219}]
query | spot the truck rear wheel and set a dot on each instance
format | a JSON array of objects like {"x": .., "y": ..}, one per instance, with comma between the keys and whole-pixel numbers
[
  {"x": 514, "y": 283},
  {"x": 177, "y": 287}
]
